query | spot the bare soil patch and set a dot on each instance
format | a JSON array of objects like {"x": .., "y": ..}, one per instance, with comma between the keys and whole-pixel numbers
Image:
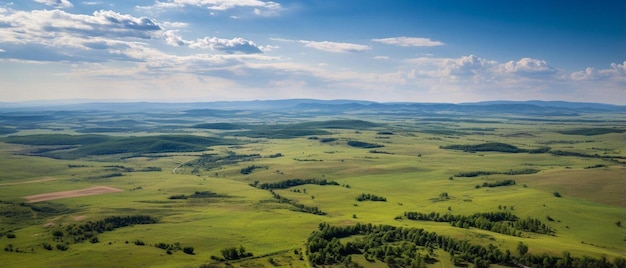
[{"x": 74, "y": 193}]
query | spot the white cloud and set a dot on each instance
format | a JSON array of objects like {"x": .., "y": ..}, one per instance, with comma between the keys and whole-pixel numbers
[
  {"x": 169, "y": 24},
  {"x": 381, "y": 58},
  {"x": 227, "y": 45},
  {"x": 527, "y": 66},
  {"x": 56, "y": 3},
  {"x": 56, "y": 35},
  {"x": 616, "y": 72},
  {"x": 328, "y": 46},
  {"x": 404, "y": 41},
  {"x": 260, "y": 8}
]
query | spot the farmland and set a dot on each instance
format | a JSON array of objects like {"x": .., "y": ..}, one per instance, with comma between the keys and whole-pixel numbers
[{"x": 368, "y": 185}]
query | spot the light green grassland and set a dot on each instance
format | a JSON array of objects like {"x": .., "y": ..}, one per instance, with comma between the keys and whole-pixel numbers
[{"x": 411, "y": 175}]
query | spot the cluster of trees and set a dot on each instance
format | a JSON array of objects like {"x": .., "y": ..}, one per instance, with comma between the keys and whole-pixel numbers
[
  {"x": 291, "y": 183},
  {"x": 361, "y": 144},
  {"x": 370, "y": 197},
  {"x": 399, "y": 247},
  {"x": 497, "y": 183},
  {"x": 591, "y": 131},
  {"x": 379, "y": 152},
  {"x": 494, "y": 147},
  {"x": 211, "y": 161},
  {"x": 90, "y": 229},
  {"x": 170, "y": 248},
  {"x": 296, "y": 205},
  {"x": 234, "y": 253},
  {"x": 577, "y": 154},
  {"x": 247, "y": 170},
  {"x": 469, "y": 174},
  {"x": 596, "y": 166},
  {"x": 276, "y": 155},
  {"x": 499, "y": 222}
]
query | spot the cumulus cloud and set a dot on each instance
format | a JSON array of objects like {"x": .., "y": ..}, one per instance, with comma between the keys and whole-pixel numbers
[
  {"x": 47, "y": 26},
  {"x": 56, "y": 3},
  {"x": 261, "y": 8},
  {"x": 328, "y": 46},
  {"x": 483, "y": 69},
  {"x": 527, "y": 66},
  {"x": 617, "y": 72},
  {"x": 56, "y": 35},
  {"x": 404, "y": 41},
  {"x": 230, "y": 46},
  {"x": 227, "y": 45},
  {"x": 467, "y": 65}
]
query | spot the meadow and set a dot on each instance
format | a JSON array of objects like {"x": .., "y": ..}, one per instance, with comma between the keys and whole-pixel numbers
[{"x": 278, "y": 188}]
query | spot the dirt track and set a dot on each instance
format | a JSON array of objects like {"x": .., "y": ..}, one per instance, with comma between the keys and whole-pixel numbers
[
  {"x": 74, "y": 193},
  {"x": 26, "y": 182}
]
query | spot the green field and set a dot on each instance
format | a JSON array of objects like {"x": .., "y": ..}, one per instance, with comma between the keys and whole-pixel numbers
[{"x": 206, "y": 182}]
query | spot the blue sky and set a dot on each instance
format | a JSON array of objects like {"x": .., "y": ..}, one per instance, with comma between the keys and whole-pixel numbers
[{"x": 405, "y": 50}]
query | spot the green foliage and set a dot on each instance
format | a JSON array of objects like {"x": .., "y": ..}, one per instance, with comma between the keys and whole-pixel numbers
[
  {"x": 220, "y": 126},
  {"x": 592, "y": 131},
  {"x": 90, "y": 229},
  {"x": 326, "y": 140},
  {"x": 62, "y": 247},
  {"x": 556, "y": 194},
  {"x": 596, "y": 166},
  {"x": 247, "y": 170},
  {"x": 234, "y": 253},
  {"x": 399, "y": 247},
  {"x": 296, "y": 205},
  {"x": 211, "y": 161},
  {"x": 46, "y": 246},
  {"x": 188, "y": 250},
  {"x": 499, "y": 183},
  {"x": 294, "y": 182},
  {"x": 522, "y": 248},
  {"x": 499, "y": 222},
  {"x": 94, "y": 145},
  {"x": 370, "y": 197},
  {"x": 494, "y": 147},
  {"x": 366, "y": 145},
  {"x": 57, "y": 139}
]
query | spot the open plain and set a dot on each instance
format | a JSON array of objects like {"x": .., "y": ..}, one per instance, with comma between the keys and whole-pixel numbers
[{"x": 301, "y": 185}]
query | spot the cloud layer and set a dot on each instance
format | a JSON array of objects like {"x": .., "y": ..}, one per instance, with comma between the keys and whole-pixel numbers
[{"x": 147, "y": 49}]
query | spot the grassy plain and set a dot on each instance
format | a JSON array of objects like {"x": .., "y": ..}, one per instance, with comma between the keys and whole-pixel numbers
[{"x": 411, "y": 171}]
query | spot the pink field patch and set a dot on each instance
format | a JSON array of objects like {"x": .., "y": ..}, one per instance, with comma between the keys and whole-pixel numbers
[{"x": 74, "y": 193}]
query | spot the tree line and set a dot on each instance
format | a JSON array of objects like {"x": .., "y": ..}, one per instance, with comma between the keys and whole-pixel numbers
[
  {"x": 89, "y": 230},
  {"x": 499, "y": 222},
  {"x": 298, "y": 206},
  {"x": 397, "y": 246},
  {"x": 291, "y": 183},
  {"x": 370, "y": 197}
]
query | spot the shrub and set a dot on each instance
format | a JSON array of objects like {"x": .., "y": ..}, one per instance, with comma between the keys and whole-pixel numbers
[
  {"x": 62, "y": 247},
  {"x": 188, "y": 250}
]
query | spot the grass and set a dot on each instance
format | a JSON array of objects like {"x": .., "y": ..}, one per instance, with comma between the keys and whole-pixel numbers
[{"x": 411, "y": 176}]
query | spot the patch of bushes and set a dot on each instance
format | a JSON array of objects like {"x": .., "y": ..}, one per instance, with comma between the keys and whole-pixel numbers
[
  {"x": 591, "y": 131},
  {"x": 494, "y": 147},
  {"x": 370, "y": 197},
  {"x": 366, "y": 145}
]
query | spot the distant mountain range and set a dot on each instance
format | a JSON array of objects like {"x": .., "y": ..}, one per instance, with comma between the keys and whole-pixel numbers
[{"x": 314, "y": 106}]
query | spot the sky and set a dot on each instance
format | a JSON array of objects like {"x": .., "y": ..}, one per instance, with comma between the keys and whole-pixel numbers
[{"x": 448, "y": 51}]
